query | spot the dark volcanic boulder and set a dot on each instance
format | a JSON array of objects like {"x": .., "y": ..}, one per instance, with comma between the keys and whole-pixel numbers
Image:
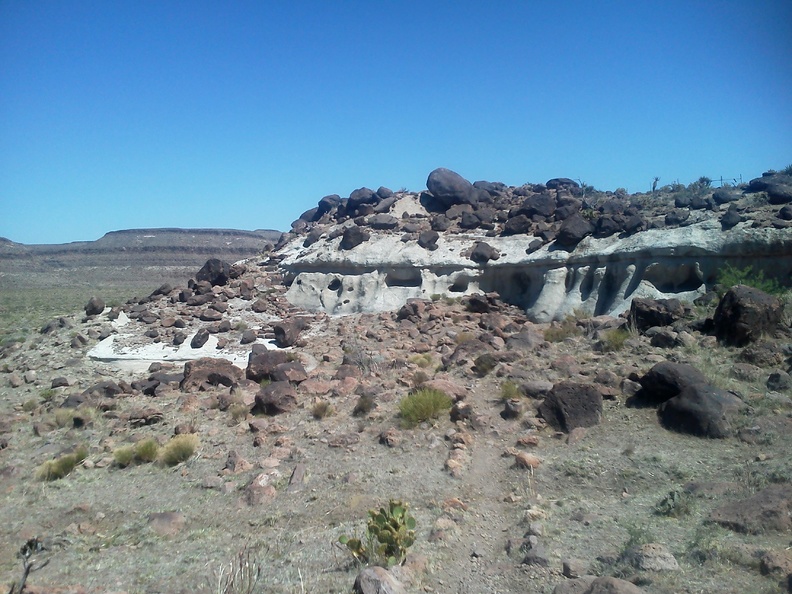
[
  {"x": 262, "y": 364},
  {"x": 353, "y": 237},
  {"x": 210, "y": 372},
  {"x": 608, "y": 225},
  {"x": 539, "y": 205},
  {"x": 94, "y": 307},
  {"x": 275, "y": 398},
  {"x": 215, "y": 272},
  {"x": 570, "y": 405},
  {"x": 428, "y": 240},
  {"x": 287, "y": 332},
  {"x": 518, "y": 225},
  {"x": 699, "y": 409},
  {"x": 667, "y": 379},
  {"x": 730, "y": 218},
  {"x": 778, "y": 187},
  {"x": 483, "y": 253},
  {"x": 558, "y": 183},
  {"x": 201, "y": 337},
  {"x": 724, "y": 195},
  {"x": 449, "y": 188},
  {"x": 744, "y": 314},
  {"x": 647, "y": 313},
  {"x": 572, "y": 231},
  {"x": 383, "y": 221}
]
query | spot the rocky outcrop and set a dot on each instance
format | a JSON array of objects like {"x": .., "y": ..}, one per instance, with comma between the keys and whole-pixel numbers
[{"x": 540, "y": 247}]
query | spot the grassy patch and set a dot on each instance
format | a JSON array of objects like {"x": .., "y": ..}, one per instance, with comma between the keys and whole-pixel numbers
[
  {"x": 560, "y": 331},
  {"x": 58, "y": 468},
  {"x": 422, "y": 405},
  {"x": 178, "y": 449}
]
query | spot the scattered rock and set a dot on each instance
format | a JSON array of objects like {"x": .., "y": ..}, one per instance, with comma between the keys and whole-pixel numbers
[
  {"x": 745, "y": 314},
  {"x": 570, "y": 404}
]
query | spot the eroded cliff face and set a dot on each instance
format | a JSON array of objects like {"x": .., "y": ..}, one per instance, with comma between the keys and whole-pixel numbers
[{"x": 598, "y": 276}]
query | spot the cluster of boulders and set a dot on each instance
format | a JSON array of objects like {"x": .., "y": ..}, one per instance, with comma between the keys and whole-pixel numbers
[{"x": 560, "y": 210}]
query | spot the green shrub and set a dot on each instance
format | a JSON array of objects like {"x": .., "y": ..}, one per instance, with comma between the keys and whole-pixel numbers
[
  {"x": 510, "y": 390},
  {"x": 787, "y": 170},
  {"x": 390, "y": 532},
  {"x": 58, "y": 468},
  {"x": 322, "y": 409},
  {"x": 676, "y": 504},
  {"x": 178, "y": 449},
  {"x": 729, "y": 276},
  {"x": 364, "y": 405},
  {"x": 423, "y": 360},
  {"x": 422, "y": 405},
  {"x": 613, "y": 340},
  {"x": 560, "y": 331},
  {"x": 64, "y": 417},
  {"x": 146, "y": 450},
  {"x": 143, "y": 451},
  {"x": 124, "y": 456},
  {"x": 238, "y": 411}
]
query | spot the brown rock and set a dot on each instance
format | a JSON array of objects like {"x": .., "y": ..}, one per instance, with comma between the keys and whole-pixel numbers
[
  {"x": 211, "y": 372},
  {"x": 769, "y": 510},
  {"x": 745, "y": 314},
  {"x": 570, "y": 405},
  {"x": 167, "y": 523},
  {"x": 275, "y": 398}
]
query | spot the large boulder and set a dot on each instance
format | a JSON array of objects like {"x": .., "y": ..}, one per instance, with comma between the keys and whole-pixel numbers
[
  {"x": 589, "y": 584},
  {"x": 778, "y": 187},
  {"x": 483, "y": 253},
  {"x": 570, "y": 405},
  {"x": 353, "y": 237},
  {"x": 94, "y": 307},
  {"x": 745, "y": 314},
  {"x": 377, "y": 580},
  {"x": 647, "y": 313},
  {"x": 666, "y": 380},
  {"x": 275, "y": 398},
  {"x": 215, "y": 272},
  {"x": 769, "y": 510},
  {"x": 539, "y": 205},
  {"x": 210, "y": 372},
  {"x": 262, "y": 364},
  {"x": 699, "y": 409},
  {"x": 572, "y": 231},
  {"x": 449, "y": 188}
]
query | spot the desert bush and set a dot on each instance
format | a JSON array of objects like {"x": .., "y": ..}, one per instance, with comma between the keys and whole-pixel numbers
[
  {"x": 464, "y": 337},
  {"x": 124, "y": 455},
  {"x": 419, "y": 378},
  {"x": 58, "y": 468},
  {"x": 510, "y": 390},
  {"x": 787, "y": 170},
  {"x": 47, "y": 394},
  {"x": 423, "y": 360},
  {"x": 146, "y": 450},
  {"x": 422, "y": 405},
  {"x": 178, "y": 449},
  {"x": 64, "y": 417},
  {"x": 390, "y": 531},
  {"x": 613, "y": 340},
  {"x": 240, "y": 576},
  {"x": 30, "y": 405},
  {"x": 559, "y": 331},
  {"x": 364, "y": 405},
  {"x": 322, "y": 409},
  {"x": 676, "y": 504},
  {"x": 728, "y": 276},
  {"x": 238, "y": 411}
]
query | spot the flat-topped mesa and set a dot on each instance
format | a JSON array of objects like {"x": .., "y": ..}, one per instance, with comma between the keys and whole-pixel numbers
[{"x": 550, "y": 248}]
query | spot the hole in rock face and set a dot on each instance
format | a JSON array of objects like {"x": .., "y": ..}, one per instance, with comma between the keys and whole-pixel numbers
[
  {"x": 672, "y": 278},
  {"x": 335, "y": 284},
  {"x": 403, "y": 278}
]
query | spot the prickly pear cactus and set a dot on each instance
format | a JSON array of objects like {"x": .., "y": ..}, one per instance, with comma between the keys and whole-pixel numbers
[{"x": 393, "y": 528}]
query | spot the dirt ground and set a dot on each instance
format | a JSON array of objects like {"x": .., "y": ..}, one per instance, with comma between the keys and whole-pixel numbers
[{"x": 595, "y": 494}]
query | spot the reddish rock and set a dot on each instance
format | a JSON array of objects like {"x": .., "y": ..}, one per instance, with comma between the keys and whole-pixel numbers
[{"x": 210, "y": 372}]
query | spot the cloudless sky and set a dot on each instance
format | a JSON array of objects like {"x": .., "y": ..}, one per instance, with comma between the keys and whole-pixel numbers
[{"x": 120, "y": 114}]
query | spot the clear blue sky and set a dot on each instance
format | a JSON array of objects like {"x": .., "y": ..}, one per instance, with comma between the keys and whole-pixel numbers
[{"x": 119, "y": 114}]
